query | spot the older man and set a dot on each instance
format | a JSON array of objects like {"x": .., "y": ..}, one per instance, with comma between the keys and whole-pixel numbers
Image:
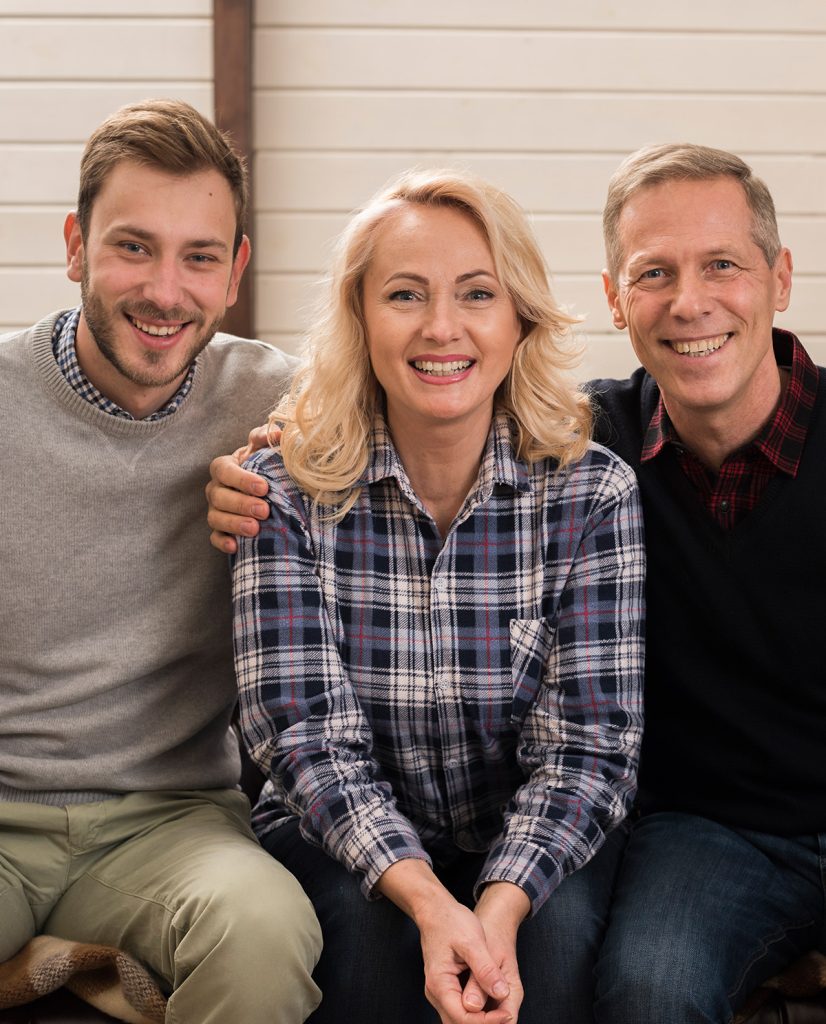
[{"x": 721, "y": 884}]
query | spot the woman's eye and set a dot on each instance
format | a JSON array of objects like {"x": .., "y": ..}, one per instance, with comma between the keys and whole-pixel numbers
[
  {"x": 402, "y": 295},
  {"x": 478, "y": 294}
]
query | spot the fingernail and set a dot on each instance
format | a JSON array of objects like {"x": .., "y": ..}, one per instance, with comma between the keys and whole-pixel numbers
[
  {"x": 262, "y": 511},
  {"x": 475, "y": 1000},
  {"x": 500, "y": 990}
]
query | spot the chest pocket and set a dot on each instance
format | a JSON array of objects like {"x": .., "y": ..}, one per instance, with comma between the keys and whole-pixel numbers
[{"x": 530, "y": 644}]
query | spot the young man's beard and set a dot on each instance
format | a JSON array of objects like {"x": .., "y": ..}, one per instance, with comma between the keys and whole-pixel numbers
[{"x": 102, "y": 326}]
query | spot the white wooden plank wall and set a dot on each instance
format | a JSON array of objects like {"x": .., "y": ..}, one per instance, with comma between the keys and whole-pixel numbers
[
  {"x": 64, "y": 66},
  {"x": 544, "y": 98}
]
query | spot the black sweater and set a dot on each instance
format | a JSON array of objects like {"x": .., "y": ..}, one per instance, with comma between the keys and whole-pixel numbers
[{"x": 735, "y": 660}]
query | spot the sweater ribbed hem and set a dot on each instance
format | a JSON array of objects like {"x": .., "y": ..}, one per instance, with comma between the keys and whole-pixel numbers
[{"x": 52, "y": 797}]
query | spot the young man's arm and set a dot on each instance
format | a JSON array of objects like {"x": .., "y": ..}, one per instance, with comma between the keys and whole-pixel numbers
[{"x": 234, "y": 495}]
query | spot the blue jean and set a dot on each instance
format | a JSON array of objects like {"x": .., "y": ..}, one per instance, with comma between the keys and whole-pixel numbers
[
  {"x": 371, "y": 965},
  {"x": 703, "y": 914}
]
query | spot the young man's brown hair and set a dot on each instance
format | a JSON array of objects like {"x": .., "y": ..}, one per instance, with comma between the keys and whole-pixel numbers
[{"x": 166, "y": 134}]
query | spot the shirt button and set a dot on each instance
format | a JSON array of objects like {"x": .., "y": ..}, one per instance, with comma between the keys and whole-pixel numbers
[
  {"x": 439, "y": 584},
  {"x": 452, "y": 762},
  {"x": 724, "y": 506}
]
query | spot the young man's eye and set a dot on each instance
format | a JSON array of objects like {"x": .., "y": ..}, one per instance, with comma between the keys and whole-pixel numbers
[
  {"x": 201, "y": 257},
  {"x": 131, "y": 247}
]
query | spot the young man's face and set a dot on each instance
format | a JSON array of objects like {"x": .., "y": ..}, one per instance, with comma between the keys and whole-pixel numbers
[
  {"x": 157, "y": 274},
  {"x": 699, "y": 299}
]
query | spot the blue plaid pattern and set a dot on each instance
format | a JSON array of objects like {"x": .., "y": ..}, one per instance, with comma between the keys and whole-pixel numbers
[
  {"x": 413, "y": 698},
  {"x": 63, "y": 346}
]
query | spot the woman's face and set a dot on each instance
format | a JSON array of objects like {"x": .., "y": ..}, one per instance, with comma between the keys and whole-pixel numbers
[{"x": 441, "y": 328}]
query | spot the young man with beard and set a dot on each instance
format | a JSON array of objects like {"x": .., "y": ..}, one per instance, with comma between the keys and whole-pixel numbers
[
  {"x": 721, "y": 885},
  {"x": 120, "y": 818}
]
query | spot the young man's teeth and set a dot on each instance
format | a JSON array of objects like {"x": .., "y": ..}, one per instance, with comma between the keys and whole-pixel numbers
[
  {"x": 158, "y": 332},
  {"x": 441, "y": 369},
  {"x": 699, "y": 348}
]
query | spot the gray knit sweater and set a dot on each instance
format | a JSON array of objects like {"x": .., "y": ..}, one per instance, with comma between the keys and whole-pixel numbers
[{"x": 115, "y": 648}]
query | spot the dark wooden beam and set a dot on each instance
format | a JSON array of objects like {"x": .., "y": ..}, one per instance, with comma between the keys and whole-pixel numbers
[{"x": 232, "y": 62}]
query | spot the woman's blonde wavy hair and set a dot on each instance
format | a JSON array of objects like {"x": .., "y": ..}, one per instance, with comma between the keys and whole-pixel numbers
[{"x": 326, "y": 417}]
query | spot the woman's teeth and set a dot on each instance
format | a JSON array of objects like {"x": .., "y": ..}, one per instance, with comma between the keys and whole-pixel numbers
[{"x": 441, "y": 369}]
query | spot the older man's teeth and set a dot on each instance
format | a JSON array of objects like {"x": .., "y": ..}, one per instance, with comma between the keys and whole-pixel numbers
[
  {"x": 441, "y": 369},
  {"x": 703, "y": 347},
  {"x": 158, "y": 332}
]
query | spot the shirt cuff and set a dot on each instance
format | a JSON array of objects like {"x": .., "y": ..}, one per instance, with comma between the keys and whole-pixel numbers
[
  {"x": 370, "y": 848},
  {"x": 527, "y": 864}
]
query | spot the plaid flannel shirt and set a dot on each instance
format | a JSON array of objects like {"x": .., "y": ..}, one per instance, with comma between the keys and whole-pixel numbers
[
  {"x": 735, "y": 489},
  {"x": 64, "y": 339},
  {"x": 414, "y": 698}
]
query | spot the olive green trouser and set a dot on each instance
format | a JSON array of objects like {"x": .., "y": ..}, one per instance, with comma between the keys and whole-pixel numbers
[{"x": 178, "y": 881}]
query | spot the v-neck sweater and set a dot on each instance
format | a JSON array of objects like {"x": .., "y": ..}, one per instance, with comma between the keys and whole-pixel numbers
[
  {"x": 116, "y": 659},
  {"x": 735, "y": 695}
]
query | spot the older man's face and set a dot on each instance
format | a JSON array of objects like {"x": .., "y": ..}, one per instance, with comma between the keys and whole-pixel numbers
[{"x": 698, "y": 298}]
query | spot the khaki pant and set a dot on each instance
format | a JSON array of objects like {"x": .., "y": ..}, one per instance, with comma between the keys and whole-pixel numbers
[{"x": 178, "y": 881}]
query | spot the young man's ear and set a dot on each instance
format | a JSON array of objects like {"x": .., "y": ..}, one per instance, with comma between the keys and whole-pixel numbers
[
  {"x": 74, "y": 247},
  {"x": 239, "y": 263},
  {"x": 617, "y": 316}
]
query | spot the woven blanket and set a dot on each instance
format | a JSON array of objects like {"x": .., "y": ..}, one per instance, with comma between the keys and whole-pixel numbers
[
  {"x": 105, "y": 977},
  {"x": 805, "y": 979}
]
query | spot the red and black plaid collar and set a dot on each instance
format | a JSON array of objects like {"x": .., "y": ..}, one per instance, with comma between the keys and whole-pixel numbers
[{"x": 783, "y": 437}]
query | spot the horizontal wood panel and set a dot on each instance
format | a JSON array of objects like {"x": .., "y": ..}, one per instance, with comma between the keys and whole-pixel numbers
[
  {"x": 303, "y": 242},
  {"x": 106, "y": 8},
  {"x": 70, "y": 112},
  {"x": 95, "y": 50},
  {"x": 595, "y": 60},
  {"x": 531, "y": 122},
  {"x": 344, "y": 181},
  {"x": 28, "y": 295},
  {"x": 284, "y": 302},
  {"x": 44, "y": 172},
  {"x": 32, "y": 236},
  {"x": 543, "y": 183},
  {"x": 759, "y": 16},
  {"x": 39, "y": 173}
]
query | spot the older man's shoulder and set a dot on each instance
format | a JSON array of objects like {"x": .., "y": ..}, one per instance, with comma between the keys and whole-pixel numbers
[{"x": 622, "y": 411}]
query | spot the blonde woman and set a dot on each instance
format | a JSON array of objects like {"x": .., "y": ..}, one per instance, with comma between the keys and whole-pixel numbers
[{"x": 439, "y": 627}]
